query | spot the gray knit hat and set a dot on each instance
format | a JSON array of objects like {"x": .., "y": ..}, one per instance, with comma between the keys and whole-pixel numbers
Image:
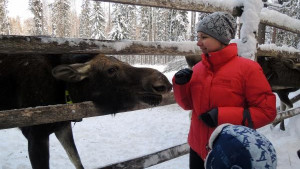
[{"x": 219, "y": 25}]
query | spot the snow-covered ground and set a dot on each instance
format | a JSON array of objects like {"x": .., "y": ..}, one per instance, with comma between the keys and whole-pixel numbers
[{"x": 108, "y": 139}]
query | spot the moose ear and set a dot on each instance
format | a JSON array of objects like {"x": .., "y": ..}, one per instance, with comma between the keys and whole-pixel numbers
[{"x": 71, "y": 73}]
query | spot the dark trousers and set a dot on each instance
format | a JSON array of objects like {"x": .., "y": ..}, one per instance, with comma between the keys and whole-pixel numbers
[{"x": 196, "y": 161}]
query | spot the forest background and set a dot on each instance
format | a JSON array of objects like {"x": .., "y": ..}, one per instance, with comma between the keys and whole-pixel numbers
[{"x": 114, "y": 21}]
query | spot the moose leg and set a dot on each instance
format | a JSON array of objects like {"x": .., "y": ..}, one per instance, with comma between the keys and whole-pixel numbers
[
  {"x": 282, "y": 108},
  {"x": 38, "y": 149},
  {"x": 38, "y": 146},
  {"x": 285, "y": 103},
  {"x": 65, "y": 137}
]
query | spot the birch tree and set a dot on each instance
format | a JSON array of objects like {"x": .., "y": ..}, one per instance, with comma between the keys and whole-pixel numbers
[{"x": 15, "y": 26}]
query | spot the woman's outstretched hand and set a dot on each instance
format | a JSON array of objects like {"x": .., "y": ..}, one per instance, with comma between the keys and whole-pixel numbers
[{"x": 183, "y": 76}]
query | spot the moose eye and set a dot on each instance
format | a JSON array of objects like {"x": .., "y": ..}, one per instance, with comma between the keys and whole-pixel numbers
[{"x": 112, "y": 70}]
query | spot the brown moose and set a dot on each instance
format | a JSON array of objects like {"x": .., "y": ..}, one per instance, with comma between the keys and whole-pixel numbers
[{"x": 41, "y": 80}]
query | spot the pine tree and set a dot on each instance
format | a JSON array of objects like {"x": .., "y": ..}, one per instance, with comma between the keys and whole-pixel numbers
[
  {"x": 280, "y": 37},
  {"x": 177, "y": 25},
  {"x": 131, "y": 20},
  {"x": 161, "y": 24},
  {"x": 61, "y": 24},
  {"x": 119, "y": 23},
  {"x": 4, "y": 23},
  {"x": 36, "y": 7},
  {"x": 290, "y": 8},
  {"x": 85, "y": 28},
  {"x": 146, "y": 22},
  {"x": 98, "y": 21},
  {"x": 168, "y": 26},
  {"x": 181, "y": 24}
]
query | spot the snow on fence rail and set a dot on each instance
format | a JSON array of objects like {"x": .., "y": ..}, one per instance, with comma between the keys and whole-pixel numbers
[{"x": 11, "y": 44}]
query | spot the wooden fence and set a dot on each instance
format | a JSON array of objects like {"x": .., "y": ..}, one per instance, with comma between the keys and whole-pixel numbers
[{"x": 48, "y": 45}]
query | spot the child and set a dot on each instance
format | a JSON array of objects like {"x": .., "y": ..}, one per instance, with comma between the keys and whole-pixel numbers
[{"x": 239, "y": 147}]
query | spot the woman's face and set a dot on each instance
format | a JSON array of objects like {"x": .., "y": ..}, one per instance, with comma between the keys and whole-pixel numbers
[{"x": 208, "y": 44}]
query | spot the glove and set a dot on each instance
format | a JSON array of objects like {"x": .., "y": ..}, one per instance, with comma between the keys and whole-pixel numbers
[
  {"x": 183, "y": 76},
  {"x": 210, "y": 118}
]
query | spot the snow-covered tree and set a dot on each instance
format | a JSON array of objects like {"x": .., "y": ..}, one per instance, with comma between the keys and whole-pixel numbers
[
  {"x": 98, "y": 21},
  {"x": 280, "y": 37},
  {"x": 146, "y": 23},
  {"x": 178, "y": 25},
  {"x": 161, "y": 24},
  {"x": 61, "y": 23},
  {"x": 290, "y": 8},
  {"x": 36, "y": 7},
  {"x": 131, "y": 20},
  {"x": 119, "y": 23},
  {"x": 181, "y": 24},
  {"x": 85, "y": 28},
  {"x": 4, "y": 23}
]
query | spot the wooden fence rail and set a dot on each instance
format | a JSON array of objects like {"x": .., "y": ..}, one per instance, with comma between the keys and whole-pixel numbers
[
  {"x": 57, "y": 113},
  {"x": 151, "y": 159},
  {"x": 286, "y": 114},
  {"x": 12, "y": 44},
  {"x": 65, "y": 112}
]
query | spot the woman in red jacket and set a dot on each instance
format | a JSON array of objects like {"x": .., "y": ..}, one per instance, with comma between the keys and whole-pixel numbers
[{"x": 222, "y": 88}]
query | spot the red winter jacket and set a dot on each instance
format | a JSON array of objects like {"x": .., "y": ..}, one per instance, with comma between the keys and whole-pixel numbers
[{"x": 227, "y": 82}]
